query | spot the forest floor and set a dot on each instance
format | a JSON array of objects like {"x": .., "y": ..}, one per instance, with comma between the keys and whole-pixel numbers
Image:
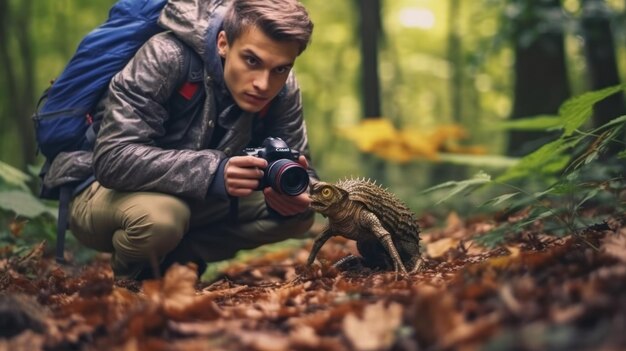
[{"x": 534, "y": 292}]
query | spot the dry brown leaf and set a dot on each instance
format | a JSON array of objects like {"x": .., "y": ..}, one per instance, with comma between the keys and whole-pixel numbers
[
  {"x": 440, "y": 247},
  {"x": 514, "y": 250},
  {"x": 264, "y": 341},
  {"x": 468, "y": 333},
  {"x": 176, "y": 293},
  {"x": 179, "y": 287},
  {"x": 615, "y": 246},
  {"x": 376, "y": 330},
  {"x": 434, "y": 314},
  {"x": 26, "y": 341},
  {"x": 30, "y": 260},
  {"x": 304, "y": 336},
  {"x": 16, "y": 227}
]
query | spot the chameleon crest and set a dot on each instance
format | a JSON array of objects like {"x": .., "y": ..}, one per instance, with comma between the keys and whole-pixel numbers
[{"x": 385, "y": 230}]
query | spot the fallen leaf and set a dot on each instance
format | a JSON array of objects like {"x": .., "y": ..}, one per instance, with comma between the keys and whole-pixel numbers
[
  {"x": 176, "y": 293},
  {"x": 440, "y": 247},
  {"x": 615, "y": 246},
  {"x": 16, "y": 227},
  {"x": 376, "y": 330}
]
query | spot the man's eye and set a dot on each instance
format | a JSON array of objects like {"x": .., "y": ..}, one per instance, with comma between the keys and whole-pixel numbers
[
  {"x": 251, "y": 61},
  {"x": 282, "y": 70}
]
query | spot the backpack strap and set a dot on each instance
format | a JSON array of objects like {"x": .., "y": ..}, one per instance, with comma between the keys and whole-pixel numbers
[
  {"x": 194, "y": 67},
  {"x": 65, "y": 196}
]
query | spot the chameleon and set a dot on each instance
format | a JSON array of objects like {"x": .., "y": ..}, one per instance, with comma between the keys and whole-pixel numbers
[{"x": 385, "y": 229}]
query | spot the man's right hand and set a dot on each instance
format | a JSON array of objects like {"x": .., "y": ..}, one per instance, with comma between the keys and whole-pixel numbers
[{"x": 242, "y": 174}]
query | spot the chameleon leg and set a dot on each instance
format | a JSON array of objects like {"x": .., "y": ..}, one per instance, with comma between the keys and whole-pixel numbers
[
  {"x": 371, "y": 221},
  {"x": 317, "y": 245}
]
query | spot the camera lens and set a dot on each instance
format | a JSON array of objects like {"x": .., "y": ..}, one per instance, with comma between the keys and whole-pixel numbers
[{"x": 287, "y": 177}]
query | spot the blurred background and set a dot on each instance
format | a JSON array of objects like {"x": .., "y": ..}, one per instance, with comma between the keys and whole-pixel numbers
[{"x": 411, "y": 93}]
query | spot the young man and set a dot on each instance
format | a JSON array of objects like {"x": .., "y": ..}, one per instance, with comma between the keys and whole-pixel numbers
[{"x": 165, "y": 177}]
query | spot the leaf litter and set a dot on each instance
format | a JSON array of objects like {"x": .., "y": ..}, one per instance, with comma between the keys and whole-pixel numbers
[{"x": 533, "y": 292}]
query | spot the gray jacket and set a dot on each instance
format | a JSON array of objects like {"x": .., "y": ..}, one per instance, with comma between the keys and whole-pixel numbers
[{"x": 140, "y": 148}]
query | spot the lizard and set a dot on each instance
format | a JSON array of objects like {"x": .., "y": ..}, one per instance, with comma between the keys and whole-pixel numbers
[{"x": 385, "y": 229}]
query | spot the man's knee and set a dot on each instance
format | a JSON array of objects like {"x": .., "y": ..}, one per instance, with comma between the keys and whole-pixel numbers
[{"x": 154, "y": 229}]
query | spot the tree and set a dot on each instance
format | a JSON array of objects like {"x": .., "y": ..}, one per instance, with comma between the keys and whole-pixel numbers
[
  {"x": 541, "y": 82},
  {"x": 370, "y": 30},
  {"x": 18, "y": 86},
  {"x": 455, "y": 56},
  {"x": 602, "y": 67}
]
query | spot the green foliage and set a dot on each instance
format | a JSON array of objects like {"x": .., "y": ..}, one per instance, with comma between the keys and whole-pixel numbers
[
  {"x": 571, "y": 179},
  {"x": 24, "y": 219},
  {"x": 15, "y": 195},
  {"x": 24, "y": 204},
  {"x": 13, "y": 177},
  {"x": 540, "y": 123},
  {"x": 577, "y": 110},
  {"x": 458, "y": 187},
  {"x": 552, "y": 158}
]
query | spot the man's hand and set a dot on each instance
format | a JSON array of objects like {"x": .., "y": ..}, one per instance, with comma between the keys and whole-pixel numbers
[
  {"x": 242, "y": 174},
  {"x": 288, "y": 205}
]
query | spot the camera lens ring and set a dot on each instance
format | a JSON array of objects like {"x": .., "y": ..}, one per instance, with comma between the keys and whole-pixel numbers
[{"x": 287, "y": 177}]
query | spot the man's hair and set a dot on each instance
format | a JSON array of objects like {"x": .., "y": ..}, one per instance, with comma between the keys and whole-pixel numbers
[{"x": 281, "y": 20}]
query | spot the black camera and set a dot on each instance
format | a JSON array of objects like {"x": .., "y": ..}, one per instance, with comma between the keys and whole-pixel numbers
[{"x": 283, "y": 174}]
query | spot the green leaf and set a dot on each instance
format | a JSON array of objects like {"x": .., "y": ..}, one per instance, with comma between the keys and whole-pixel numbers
[
  {"x": 619, "y": 121},
  {"x": 535, "y": 217},
  {"x": 540, "y": 122},
  {"x": 459, "y": 186},
  {"x": 590, "y": 195},
  {"x": 575, "y": 111},
  {"x": 14, "y": 176},
  {"x": 562, "y": 188},
  {"x": 500, "y": 199},
  {"x": 24, "y": 204},
  {"x": 548, "y": 159}
]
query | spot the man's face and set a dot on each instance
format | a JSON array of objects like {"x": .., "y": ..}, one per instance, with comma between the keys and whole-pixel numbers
[{"x": 255, "y": 67}]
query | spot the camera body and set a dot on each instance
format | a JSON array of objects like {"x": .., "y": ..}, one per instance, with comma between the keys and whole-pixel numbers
[{"x": 283, "y": 173}]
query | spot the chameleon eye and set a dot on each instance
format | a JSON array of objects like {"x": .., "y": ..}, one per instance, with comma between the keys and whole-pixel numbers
[{"x": 326, "y": 192}]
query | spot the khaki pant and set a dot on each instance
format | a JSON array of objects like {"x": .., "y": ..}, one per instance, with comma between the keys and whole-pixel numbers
[{"x": 145, "y": 230}]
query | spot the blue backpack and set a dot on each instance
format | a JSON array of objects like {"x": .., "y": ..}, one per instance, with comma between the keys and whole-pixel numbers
[
  {"x": 65, "y": 115},
  {"x": 63, "y": 120}
]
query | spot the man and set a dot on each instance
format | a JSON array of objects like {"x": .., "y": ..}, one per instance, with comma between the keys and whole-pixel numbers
[{"x": 165, "y": 177}]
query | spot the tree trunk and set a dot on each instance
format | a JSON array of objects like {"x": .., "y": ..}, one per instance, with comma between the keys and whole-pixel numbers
[
  {"x": 455, "y": 56},
  {"x": 19, "y": 75},
  {"x": 541, "y": 83},
  {"x": 370, "y": 32},
  {"x": 369, "y": 29},
  {"x": 442, "y": 172},
  {"x": 602, "y": 65}
]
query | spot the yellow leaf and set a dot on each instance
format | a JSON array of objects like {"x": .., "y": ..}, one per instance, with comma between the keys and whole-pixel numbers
[
  {"x": 418, "y": 144},
  {"x": 379, "y": 137},
  {"x": 369, "y": 133}
]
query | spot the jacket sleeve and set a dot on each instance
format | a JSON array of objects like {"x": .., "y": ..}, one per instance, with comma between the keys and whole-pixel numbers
[
  {"x": 126, "y": 155},
  {"x": 286, "y": 121}
]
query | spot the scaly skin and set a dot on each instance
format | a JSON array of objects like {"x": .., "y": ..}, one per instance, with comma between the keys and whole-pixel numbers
[{"x": 386, "y": 231}]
